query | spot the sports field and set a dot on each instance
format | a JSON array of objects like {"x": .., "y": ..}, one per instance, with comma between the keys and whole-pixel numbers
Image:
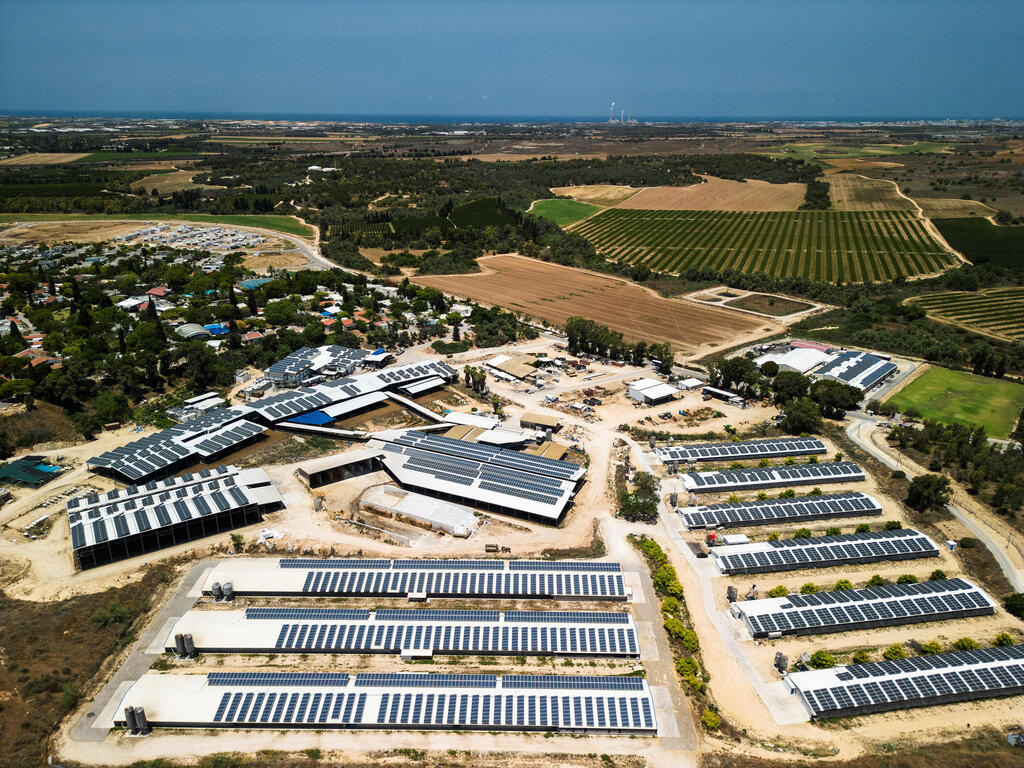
[
  {"x": 847, "y": 246},
  {"x": 959, "y": 397},
  {"x": 285, "y": 224},
  {"x": 563, "y": 212},
  {"x": 999, "y": 312}
]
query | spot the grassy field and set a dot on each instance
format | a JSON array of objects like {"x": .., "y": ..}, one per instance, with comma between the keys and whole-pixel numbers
[
  {"x": 816, "y": 152},
  {"x": 852, "y": 192},
  {"x": 859, "y": 246},
  {"x": 982, "y": 241},
  {"x": 479, "y": 213},
  {"x": 960, "y": 397},
  {"x": 128, "y": 157},
  {"x": 284, "y": 224},
  {"x": 999, "y": 312},
  {"x": 563, "y": 212}
]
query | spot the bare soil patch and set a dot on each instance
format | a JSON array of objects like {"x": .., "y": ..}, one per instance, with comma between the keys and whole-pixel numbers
[
  {"x": 260, "y": 262},
  {"x": 946, "y": 208},
  {"x": 766, "y": 304},
  {"x": 851, "y": 192},
  {"x": 175, "y": 181},
  {"x": 43, "y": 158},
  {"x": 555, "y": 293},
  {"x": 59, "y": 231},
  {"x": 597, "y": 194},
  {"x": 720, "y": 195},
  {"x": 856, "y": 163}
]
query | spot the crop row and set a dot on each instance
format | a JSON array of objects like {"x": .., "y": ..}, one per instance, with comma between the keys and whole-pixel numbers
[
  {"x": 845, "y": 246},
  {"x": 998, "y": 311}
]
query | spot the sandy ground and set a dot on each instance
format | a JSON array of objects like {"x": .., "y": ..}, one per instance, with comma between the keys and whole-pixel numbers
[
  {"x": 852, "y": 192},
  {"x": 54, "y": 232},
  {"x": 262, "y": 261},
  {"x": 597, "y": 194},
  {"x": 43, "y": 158},
  {"x": 720, "y": 195},
  {"x": 555, "y": 293}
]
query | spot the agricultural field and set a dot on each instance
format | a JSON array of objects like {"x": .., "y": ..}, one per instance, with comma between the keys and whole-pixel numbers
[
  {"x": 720, "y": 195},
  {"x": 43, "y": 158},
  {"x": 851, "y": 192},
  {"x": 817, "y": 152},
  {"x": 555, "y": 293},
  {"x": 999, "y": 312},
  {"x": 958, "y": 397},
  {"x": 129, "y": 157},
  {"x": 563, "y": 212},
  {"x": 597, "y": 194},
  {"x": 172, "y": 181},
  {"x": 939, "y": 208},
  {"x": 981, "y": 241},
  {"x": 479, "y": 213},
  {"x": 854, "y": 246},
  {"x": 285, "y": 224}
]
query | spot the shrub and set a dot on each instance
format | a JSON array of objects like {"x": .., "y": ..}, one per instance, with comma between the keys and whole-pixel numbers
[
  {"x": 790, "y": 462},
  {"x": 670, "y": 605},
  {"x": 1015, "y": 604},
  {"x": 237, "y": 542},
  {"x": 907, "y": 578},
  {"x": 937, "y": 575},
  {"x": 839, "y": 456},
  {"x": 690, "y": 641},
  {"x": 696, "y": 683},
  {"x": 764, "y": 463},
  {"x": 674, "y": 627},
  {"x": 863, "y": 528},
  {"x": 687, "y": 667},
  {"x": 773, "y": 536},
  {"x": 762, "y": 496},
  {"x": 861, "y": 657},
  {"x": 711, "y": 720},
  {"x": 734, "y": 499},
  {"x": 815, "y": 491},
  {"x": 788, "y": 494},
  {"x": 966, "y": 644},
  {"x": 898, "y": 474},
  {"x": 832, "y": 530},
  {"x": 822, "y": 660},
  {"x": 842, "y": 585},
  {"x": 812, "y": 459},
  {"x": 894, "y": 652},
  {"x": 1003, "y": 638},
  {"x": 666, "y": 582},
  {"x": 876, "y": 581},
  {"x": 968, "y": 543},
  {"x": 930, "y": 649},
  {"x": 802, "y": 533},
  {"x": 313, "y": 753},
  {"x": 779, "y": 591},
  {"x": 893, "y": 525},
  {"x": 809, "y": 589}
]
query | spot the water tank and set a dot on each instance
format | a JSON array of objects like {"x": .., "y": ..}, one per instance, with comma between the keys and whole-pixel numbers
[
  {"x": 216, "y": 591},
  {"x": 141, "y": 721},
  {"x": 781, "y": 662},
  {"x": 650, "y": 441},
  {"x": 229, "y": 591},
  {"x": 671, "y": 467},
  {"x": 547, "y": 433},
  {"x": 190, "y": 647},
  {"x": 673, "y": 498},
  {"x": 179, "y": 645},
  {"x": 129, "y": 719},
  {"x": 732, "y": 594}
]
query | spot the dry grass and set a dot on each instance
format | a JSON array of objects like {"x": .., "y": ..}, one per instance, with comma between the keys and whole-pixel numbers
[
  {"x": 59, "y": 231},
  {"x": 720, "y": 195},
  {"x": 597, "y": 194},
  {"x": 43, "y": 158},
  {"x": 859, "y": 164},
  {"x": 261, "y": 262},
  {"x": 175, "y": 181},
  {"x": 851, "y": 192},
  {"x": 555, "y": 293},
  {"x": 944, "y": 208}
]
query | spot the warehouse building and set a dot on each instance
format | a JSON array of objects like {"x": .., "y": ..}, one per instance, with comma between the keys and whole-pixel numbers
[
  {"x": 855, "y": 609},
  {"x": 418, "y": 633},
  {"x": 394, "y": 701},
  {"x": 339, "y": 466},
  {"x": 420, "y": 579},
  {"x": 858, "y": 369},
  {"x": 780, "y": 511},
  {"x": 798, "y": 360},
  {"x": 757, "y": 478},
  {"x": 433, "y": 514},
  {"x": 924, "y": 681},
  {"x": 138, "y": 519},
  {"x": 541, "y": 421},
  {"x": 822, "y": 551},
  {"x": 742, "y": 450},
  {"x": 651, "y": 391},
  {"x": 329, "y": 361}
]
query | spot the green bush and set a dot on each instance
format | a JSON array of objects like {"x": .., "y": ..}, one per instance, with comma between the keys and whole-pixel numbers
[
  {"x": 861, "y": 657},
  {"x": 876, "y": 581},
  {"x": 773, "y": 536},
  {"x": 779, "y": 591},
  {"x": 674, "y": 627},
  {"x": 930, "y": 649},
  {"x": 670, "y": 605},
  {"x": 907, "y": 578},
  {"x": 842, "y": 585},
  {"x": 696, "y": 683},
  {"x": 809, "y": 589},
  {"x": 833, "y": 530},
  {"x": 937, "y": 575},
  {"x": 711, "y": 720},
  {"x": 894, "y": 652},
  {"x": 968, "y": 543},
  {"x": 893, "y": 525},
  {"x": 687, "y": 667},
  {"x": 1003, "y": 639},
  {"x": 966, "y": 644},
  {"x": 863, "y": 528},
  {"x": 788, "y": 494},
  {"x": 815, "y": 491},
  {"x": 1015, "y": 604},
  {"x": 802, "y": 533},
  {"x": 666, "y": 583},
  {"x": 822, "y": 660}
]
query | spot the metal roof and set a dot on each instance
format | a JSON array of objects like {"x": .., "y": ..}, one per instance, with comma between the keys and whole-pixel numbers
[
  {"x": 747, "y": 513},
  {"x": 741, "y": 449},
  {"x": 772, "y": 477}
]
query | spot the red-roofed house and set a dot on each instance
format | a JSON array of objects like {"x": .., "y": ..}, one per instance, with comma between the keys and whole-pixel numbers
[{"x": 159, "y": 291}]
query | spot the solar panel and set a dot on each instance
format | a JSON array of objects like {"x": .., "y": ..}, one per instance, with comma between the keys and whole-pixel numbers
[
  {"x": 562, "y": 565},
  {"x": 410, "y": 680},
  {"x": 753, "y": 513},
  {"x": 580, "y": 683},
  {"x": 266, "y": 679}
]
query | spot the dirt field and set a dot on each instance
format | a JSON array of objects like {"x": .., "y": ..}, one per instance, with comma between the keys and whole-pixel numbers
[
  {"x": 59, "y": 231},
  {"x": 720, "y": 195},
  {"x": 597, "y": 194},
  {"x": 939, "y": 208},
  {"x": 261, "y": 262},
  {"x": 555, "y": 293},
  {"x": 43, "y": 158},
  {"x": 175, "y": 181},
  {"x": 851, "y": 192},
  {"x": 856, "y": 163}
]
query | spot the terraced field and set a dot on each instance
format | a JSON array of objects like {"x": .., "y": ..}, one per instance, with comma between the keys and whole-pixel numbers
[
  {"x": 999, "y": 312},
  {"x": 847, "y": 246}
]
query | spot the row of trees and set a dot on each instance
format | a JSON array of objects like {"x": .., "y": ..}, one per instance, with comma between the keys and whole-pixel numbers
[{"x": 591, "y": 338}]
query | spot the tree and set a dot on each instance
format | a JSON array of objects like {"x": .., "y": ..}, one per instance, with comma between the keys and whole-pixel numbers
[
  {"x": 937, "y": 575},
  {"x": 711, "y": 719},
  {"x": 894, "y": 652},
  {"x": 1014, "y": 604},
  {"x": 861, "y": 656},
  {"x": 822, "y": 659},
  {"x": 862, "y": 528},
  {"x": 770, "y": 369},
  {"x": 779, "y": 591},
  {"x": 6, "y": 450},
  {"x": 1017, "y": 434},
  {"x": 929, "y": 493},
  {"x": 802, "y": 533},
  {"x": 907, "y": 578},
  {"x": 1004, "y": 639},
  {"x": 809, "y": 589},
  {"x": 893, "y": 525},
  {"x": 876, "y": 581},
  {"x": 843, "y": 585},
  {"x": 930, "y": 649},
  {"x": 800, "y": 416},
  {"x": 790, "y": 385},
  {"x": 966, "y": 644}
]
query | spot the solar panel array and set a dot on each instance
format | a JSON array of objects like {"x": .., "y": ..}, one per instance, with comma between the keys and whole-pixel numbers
[
  {"x": 137, "y": 509},
  {"x": 487, "y": 454},
  {"x": 770, "y": 477},
  {"x": 738, "y": 451},
  {"x": 769, "y": 512},
  {"x": 846, "y": 610},
  {"x": 824, "y": 551},
  {"x": 285, "y": 405},
  {"x": 916, "y": 682}
]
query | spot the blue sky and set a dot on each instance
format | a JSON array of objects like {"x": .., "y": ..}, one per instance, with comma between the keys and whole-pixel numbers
[{"x": 888, "y": 58}]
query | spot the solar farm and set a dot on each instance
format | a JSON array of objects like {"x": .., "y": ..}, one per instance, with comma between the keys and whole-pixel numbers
[
  {"x": 834, "y": 246},
  {"x": 776, "y": 511},
  {"x": 741, "y": 450},
  {"x": 756, "y": 478}
]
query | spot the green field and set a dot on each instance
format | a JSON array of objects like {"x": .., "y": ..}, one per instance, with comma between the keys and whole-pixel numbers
[
  {"x": 479, "y": 213},
  {"x": 813, "y": 152},
  {"x": 563, "y": 212},
  {"x": 284, "y": 224},
  {"x": 960, "y": 397},
  {"x": 130, "y": 157},
  {"x": 981, "y": 241},
  {"x": 999, "y": 311},
  {"x": 846, "y": 246}
]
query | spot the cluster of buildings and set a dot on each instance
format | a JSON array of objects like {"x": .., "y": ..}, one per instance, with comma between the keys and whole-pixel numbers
[
  {"x": 200, "y": 238},
  {"x": 862, "y": 370}
]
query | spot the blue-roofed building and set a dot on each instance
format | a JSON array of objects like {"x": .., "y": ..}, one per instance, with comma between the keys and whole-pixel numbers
[
  {"x": 256, "y": 282},
  {"x": 216, "y": 329},
  {"x": 862, "y": 370}
]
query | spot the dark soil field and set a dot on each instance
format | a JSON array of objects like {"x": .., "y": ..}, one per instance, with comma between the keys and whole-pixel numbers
[{"x": 776, "y": 306}]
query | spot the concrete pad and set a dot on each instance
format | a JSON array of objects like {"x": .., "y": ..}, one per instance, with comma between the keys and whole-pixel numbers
[
  {"x": 632, "y": 580},
  {"x": 160, "y": 639},
  {"x": 648, "y": 645},
  {"x": 197, "y": 588},
  {"x": 668, "y": 728},
  {"x": 105, "y": 719}
]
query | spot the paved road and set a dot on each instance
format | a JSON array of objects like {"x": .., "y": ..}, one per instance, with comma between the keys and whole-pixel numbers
[{"x": 859, "y": 432}]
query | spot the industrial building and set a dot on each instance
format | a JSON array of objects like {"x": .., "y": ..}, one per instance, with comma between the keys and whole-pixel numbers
[
  {"x": 140, "y": 519},
  {"x": 651, "y": 391},
  {"x": 780, "y": 511},
  {"x": 822, "y": 551},
  {"x": 542, "y": 421},
  {"x": 858, "y": 369},
  {"x": 409, "y": 632},
  {"x": 758, "y": 478},
  {"x": 306, "y": 363},
  {"x": 924, "y": 681},
  {"x": 393, "y": 701},
  {"x": 797, "y": 359},
  {"x": 420, "y": 579},
  {"x": 339, "y": 466},
  {"x": 741, "y": 450},
  {"x": 433, "y": 514},
  {"x": 854, "y": 609}
]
